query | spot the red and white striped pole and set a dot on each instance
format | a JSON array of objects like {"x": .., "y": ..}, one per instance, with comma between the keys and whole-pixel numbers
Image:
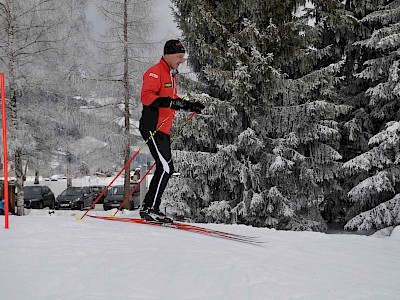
[{"x": 5, "y": 161}]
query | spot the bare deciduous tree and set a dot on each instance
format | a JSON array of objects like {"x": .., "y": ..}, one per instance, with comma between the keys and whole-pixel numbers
[{"x": 30, "y": 32}]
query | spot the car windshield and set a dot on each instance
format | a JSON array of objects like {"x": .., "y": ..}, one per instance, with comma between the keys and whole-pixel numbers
[
  {"x": 32, "y": 190},
  {"x": 71, "y": 192},
  {"x": 116, "y": 190}
]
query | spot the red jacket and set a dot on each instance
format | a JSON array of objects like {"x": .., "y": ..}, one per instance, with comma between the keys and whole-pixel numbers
[{"x": 158, "y": 82}]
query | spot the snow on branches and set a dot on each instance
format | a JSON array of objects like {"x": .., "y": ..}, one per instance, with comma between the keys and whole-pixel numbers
[
  {"x": 218, "y": 212},
  {"x": 385, "y": 154},
  {"x": 249, "y": 143},
  {"x": 384, "y": 158},
  {"x": 384, "y": 215},
  {"x": 369, "y": 188},
  {"x": 389, "y": 138},
  {"x": 279, "y": 203}
]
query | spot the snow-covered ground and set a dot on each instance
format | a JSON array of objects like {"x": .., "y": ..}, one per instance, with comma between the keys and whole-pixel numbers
[{"x": 55, "y": 256}]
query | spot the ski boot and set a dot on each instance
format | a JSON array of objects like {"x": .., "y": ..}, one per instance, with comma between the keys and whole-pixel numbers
[{"x": 152, "y": 215}]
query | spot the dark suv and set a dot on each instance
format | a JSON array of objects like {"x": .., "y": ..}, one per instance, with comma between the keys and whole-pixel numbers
[
  {"x": 74, "y": 198},
  {"x": 115, "y": 197},
  {"x": 38, "y": 197}
]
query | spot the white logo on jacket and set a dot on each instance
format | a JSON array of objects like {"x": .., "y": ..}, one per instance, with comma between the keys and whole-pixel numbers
[{"x": 153, "y": 75}]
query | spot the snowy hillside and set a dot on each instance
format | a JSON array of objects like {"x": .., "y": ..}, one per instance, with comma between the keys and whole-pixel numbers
[{"x": 55, "y": 256}]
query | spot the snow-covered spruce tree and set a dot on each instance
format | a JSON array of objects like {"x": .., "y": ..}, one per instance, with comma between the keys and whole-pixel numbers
[
  {"x": 371, "y": 62},
  {"x": 267, "y": 146},
  {"x": 381, "y": 191},
  {"x": 376, "y": 80},
  {"x": 378, "y": 63}
]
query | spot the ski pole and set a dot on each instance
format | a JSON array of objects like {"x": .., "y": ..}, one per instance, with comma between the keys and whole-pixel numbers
[
  {"x": 175, "y": 137},
  {"x": 124, "y": 167},
  {"x": 181, "y": 129}
]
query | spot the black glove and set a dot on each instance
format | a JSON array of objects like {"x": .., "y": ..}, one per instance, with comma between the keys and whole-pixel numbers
[
  {"x": 196, "y": 107},
  {"x": 179, "y": 104}
]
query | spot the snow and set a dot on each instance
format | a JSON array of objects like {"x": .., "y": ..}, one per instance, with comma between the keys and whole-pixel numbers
[
  {"x": 396, "y": 233},
  {"x": 384, "y": 232},
  {"x": 57, "y": 257}
]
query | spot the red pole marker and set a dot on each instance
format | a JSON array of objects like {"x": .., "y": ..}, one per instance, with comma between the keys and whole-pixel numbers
[{"x": 5, "y": 162}]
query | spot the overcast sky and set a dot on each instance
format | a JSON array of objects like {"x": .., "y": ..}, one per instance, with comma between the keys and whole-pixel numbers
[{"x": 165, "y": 27}]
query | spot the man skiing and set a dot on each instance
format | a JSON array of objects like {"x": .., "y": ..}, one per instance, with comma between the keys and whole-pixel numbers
[{"x": 160, "y": 99}]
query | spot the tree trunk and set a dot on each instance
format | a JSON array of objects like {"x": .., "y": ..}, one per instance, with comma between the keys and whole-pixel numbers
[
  {"x": 20, "y": 183},
  {"x": 127, "y": 112},
  {"x": 25, "y": 170},
  {"x": 14, "y": 116}
]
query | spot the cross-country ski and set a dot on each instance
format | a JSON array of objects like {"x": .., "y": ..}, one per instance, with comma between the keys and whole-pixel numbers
[{"x": 186, "y": 227}]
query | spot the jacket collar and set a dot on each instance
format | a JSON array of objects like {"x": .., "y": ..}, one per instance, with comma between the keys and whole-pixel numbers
[
  {"x": 164, "y": 64},
  {"x": 166, "y": 67}
]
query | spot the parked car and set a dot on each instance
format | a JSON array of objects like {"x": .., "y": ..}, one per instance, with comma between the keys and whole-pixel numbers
[
  {"x": 96, "y": 191},
  {"x": 74, "y": 198},
  {"x": 115, "y": 197},
  {"x": 38, "y": 197}
]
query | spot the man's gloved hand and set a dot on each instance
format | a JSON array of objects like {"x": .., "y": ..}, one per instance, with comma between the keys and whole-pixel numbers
[
  {"x": 179, "y": 103},
  {"x": 196, "y": 107}
]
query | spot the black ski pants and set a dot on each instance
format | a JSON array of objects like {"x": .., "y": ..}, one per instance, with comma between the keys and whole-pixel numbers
[{"x": 160, "y": 149}]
